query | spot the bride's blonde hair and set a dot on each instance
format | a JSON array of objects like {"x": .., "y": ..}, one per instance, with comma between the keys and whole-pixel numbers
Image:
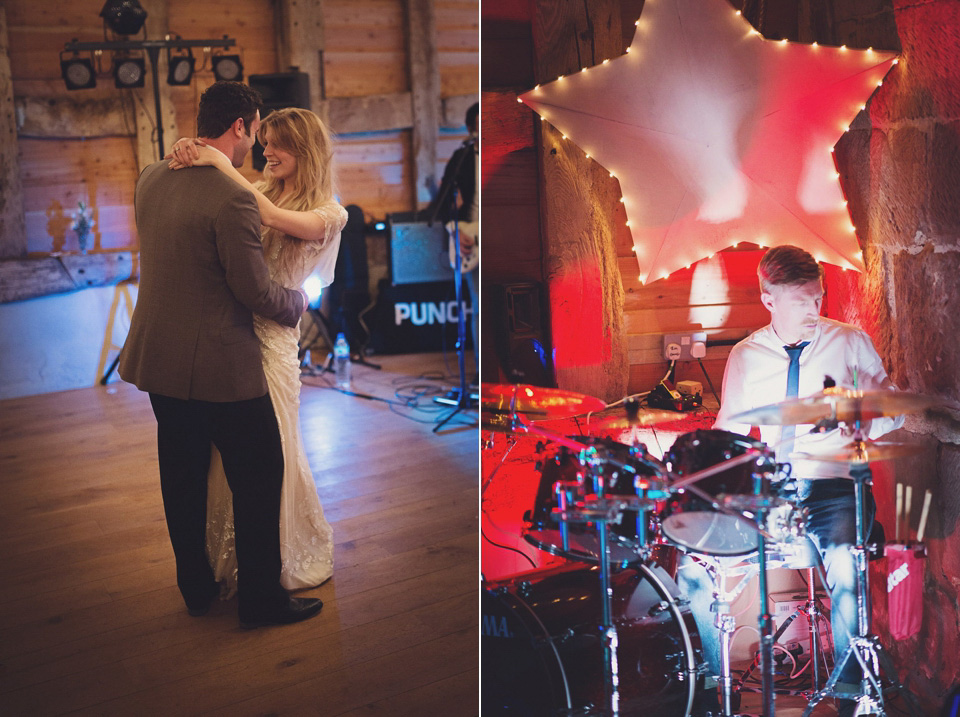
[{"x": 305, "y": 136}]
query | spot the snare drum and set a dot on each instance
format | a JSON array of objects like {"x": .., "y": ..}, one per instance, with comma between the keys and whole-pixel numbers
[
  {"x": 596, "y": 471},
  {"x": 691, "y": 522},
  {"x": 542, "y": 652}
]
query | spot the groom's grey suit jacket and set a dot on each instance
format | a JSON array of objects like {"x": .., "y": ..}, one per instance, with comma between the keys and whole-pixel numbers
[{"x": 202, "y": 277}]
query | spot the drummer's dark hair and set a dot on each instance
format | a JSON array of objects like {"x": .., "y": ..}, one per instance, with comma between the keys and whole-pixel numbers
[{"x": 787, "y": 266}]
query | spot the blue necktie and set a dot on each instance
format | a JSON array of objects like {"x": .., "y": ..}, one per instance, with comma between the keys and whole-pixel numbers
[{"x": 793, "y": 386}]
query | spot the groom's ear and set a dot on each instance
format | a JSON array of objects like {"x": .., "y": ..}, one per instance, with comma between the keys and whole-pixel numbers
[{"x": 238, "y": 128}]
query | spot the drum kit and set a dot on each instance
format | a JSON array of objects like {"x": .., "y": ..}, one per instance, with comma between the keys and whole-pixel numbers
[{"x": 609, "y": 633}]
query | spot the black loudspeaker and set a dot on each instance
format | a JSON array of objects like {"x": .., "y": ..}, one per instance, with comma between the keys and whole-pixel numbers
[
  {"x": 520, "y": 340},
  {"x": 349, "y": 293},
  {"x": 417, "y": 318},
  {"x": 279, "y": 90},
  {"x": 417, "y": 251}
]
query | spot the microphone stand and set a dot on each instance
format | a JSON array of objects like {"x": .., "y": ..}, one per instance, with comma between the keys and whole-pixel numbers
[{"x": 448, "y": 192}]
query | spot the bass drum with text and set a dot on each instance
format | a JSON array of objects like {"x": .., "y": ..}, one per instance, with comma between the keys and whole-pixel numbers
[{"x": 542, "y": 649}]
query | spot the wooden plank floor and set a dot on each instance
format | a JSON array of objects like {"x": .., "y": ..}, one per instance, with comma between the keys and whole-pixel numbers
[{"x": 91, "y": 621}]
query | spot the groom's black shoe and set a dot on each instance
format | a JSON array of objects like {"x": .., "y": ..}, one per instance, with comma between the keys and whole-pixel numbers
[
  {"x": 200, "y": 610},
  {"x": 202, "y": 607},
  {"x": 298, "y": 609}
]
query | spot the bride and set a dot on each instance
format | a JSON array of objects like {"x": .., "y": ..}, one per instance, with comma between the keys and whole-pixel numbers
[{"x": 301, "y": 236}]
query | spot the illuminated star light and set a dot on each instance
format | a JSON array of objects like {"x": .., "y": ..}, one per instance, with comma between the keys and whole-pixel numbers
[{"x": 717, "y": 135}]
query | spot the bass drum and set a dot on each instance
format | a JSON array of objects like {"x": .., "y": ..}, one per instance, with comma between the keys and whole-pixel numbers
[{"x": 542, "y": 653}]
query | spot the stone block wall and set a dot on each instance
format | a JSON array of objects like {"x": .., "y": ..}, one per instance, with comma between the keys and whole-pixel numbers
[{"x": 900, "y": 167}]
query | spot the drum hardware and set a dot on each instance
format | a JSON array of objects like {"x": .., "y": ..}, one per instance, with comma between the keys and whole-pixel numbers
[
  {"x": 812, "y": 611},
  {"x": 850, "y": 408},
  {"x": 864, "y": 647}
]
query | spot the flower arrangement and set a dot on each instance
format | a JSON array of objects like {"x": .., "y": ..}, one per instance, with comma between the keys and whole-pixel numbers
[{"x": 82, "y": 225}]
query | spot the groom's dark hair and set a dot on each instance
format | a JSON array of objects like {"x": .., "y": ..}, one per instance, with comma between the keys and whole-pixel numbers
[{"x": 222, "y": 103}]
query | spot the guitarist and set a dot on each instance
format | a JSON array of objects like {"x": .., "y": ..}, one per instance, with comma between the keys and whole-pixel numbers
[{"x": 468, "y": 216}]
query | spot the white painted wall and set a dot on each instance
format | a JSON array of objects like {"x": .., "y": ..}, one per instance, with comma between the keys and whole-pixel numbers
[{"x": 54, "y": 343}]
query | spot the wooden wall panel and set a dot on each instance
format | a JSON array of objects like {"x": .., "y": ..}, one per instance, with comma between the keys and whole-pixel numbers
[
  {"x": 719, "y": 296},
  {"x": 458, "y": 45},
  {"x": 365, "y": 54},
  {"x": 374, "y": 172},
  {"x": 57, "y": 174},
  {"x": 365, "y": 48}
]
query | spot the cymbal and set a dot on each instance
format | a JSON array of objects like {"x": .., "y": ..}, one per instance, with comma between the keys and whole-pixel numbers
[
  {"x": 840, "y": 404},
  {"x": 649, "y": 417},
  {"x": 534, "y": 402},
  {"x": 862, "y": 452}
]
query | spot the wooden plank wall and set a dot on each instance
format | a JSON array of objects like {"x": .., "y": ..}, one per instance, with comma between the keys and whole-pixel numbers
[
  {"x": 365, "y": 53},
  {"x": 719, "y": 296}
]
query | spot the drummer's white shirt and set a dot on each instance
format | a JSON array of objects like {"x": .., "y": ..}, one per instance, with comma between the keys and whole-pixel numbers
[{"x": 756, "y": 375}]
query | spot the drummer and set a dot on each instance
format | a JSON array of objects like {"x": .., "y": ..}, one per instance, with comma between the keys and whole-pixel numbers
[{"x": 758, "y": 373}]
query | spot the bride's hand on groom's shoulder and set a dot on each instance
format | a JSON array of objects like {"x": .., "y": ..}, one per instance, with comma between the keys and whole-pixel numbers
[{"x": 189, "y": 152}]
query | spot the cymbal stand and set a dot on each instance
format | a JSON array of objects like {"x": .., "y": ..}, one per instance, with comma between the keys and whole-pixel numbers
[
  {"x": 724, "y": 621},
  {"x": 601, "y": 511},
  {"x": 766, "y": 621},
  {"x": 864, "y": 647}
]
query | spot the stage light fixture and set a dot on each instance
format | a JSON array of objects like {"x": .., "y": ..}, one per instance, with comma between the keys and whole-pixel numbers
[
  {"x": 124, "y": 17},
  {"x": 228, "y": 67},
  {"x": 128, "y": 72},
  {"x": 180, "y": 69},
  {"x": 78, "y": 73}
]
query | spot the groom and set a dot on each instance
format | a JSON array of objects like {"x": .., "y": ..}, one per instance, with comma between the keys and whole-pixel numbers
[{"x": 192, "y": 347}]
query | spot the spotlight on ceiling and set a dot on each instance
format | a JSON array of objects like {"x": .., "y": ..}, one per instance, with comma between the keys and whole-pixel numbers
[
  {"x": 228, "y": 67},
  {"x": 128, "y": 72},
  {"x": 78, "y": 73},
  {"x": 124, "y": 17},
  {"x": 180, "y": 69}
]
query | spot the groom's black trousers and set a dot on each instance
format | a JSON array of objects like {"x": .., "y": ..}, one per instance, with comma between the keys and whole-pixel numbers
[{"x": 247, "y": 436}]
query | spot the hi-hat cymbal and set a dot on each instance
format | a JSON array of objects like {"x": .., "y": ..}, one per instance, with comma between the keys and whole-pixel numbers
[
  {"x": 861, "y": 452},
  {"x": 840, "y": 404},
  {"x": 649, "y": 417},
  {"x": 534, "y": 402}
]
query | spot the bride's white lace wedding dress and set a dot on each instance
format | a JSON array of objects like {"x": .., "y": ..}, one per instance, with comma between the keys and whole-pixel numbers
[{"x": 306, "y": 539}]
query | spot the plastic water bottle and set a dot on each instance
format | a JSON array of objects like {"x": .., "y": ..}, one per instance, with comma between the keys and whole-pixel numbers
[{"x": 341, "y": 361}]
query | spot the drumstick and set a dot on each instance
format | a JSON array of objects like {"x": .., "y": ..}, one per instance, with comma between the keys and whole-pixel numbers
[
  {"x": 907, "y": 504},
  {"x": 923, "y": 517},
  {"x": 896, "y": 523}
]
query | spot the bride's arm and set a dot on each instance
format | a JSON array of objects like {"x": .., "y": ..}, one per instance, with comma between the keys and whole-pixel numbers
[{"x": 308, "y": 225}]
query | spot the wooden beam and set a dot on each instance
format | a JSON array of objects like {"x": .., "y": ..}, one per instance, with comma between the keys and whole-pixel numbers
[
  {"x": 383, "y": 113},
  {"x": 371, "y": 113},
  {"x": 22, "y": 279},
  {"x": 13, "y": 230},
  {"x": 72, "y": 117},
  {"x": 300, "y": 42},
  {"x": 425, "y": 88}
]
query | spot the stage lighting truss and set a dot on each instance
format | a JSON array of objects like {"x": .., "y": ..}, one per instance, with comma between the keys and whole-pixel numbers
[
  {"x": 128, "y": 71},
  {"x": 78, "y": 72},
  {"x": 180, "y": 68},
  {"x": 227, "y": 67}
]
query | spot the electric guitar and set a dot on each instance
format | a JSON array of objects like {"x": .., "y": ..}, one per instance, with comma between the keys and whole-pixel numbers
[{"x": 468, "y": 260}]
